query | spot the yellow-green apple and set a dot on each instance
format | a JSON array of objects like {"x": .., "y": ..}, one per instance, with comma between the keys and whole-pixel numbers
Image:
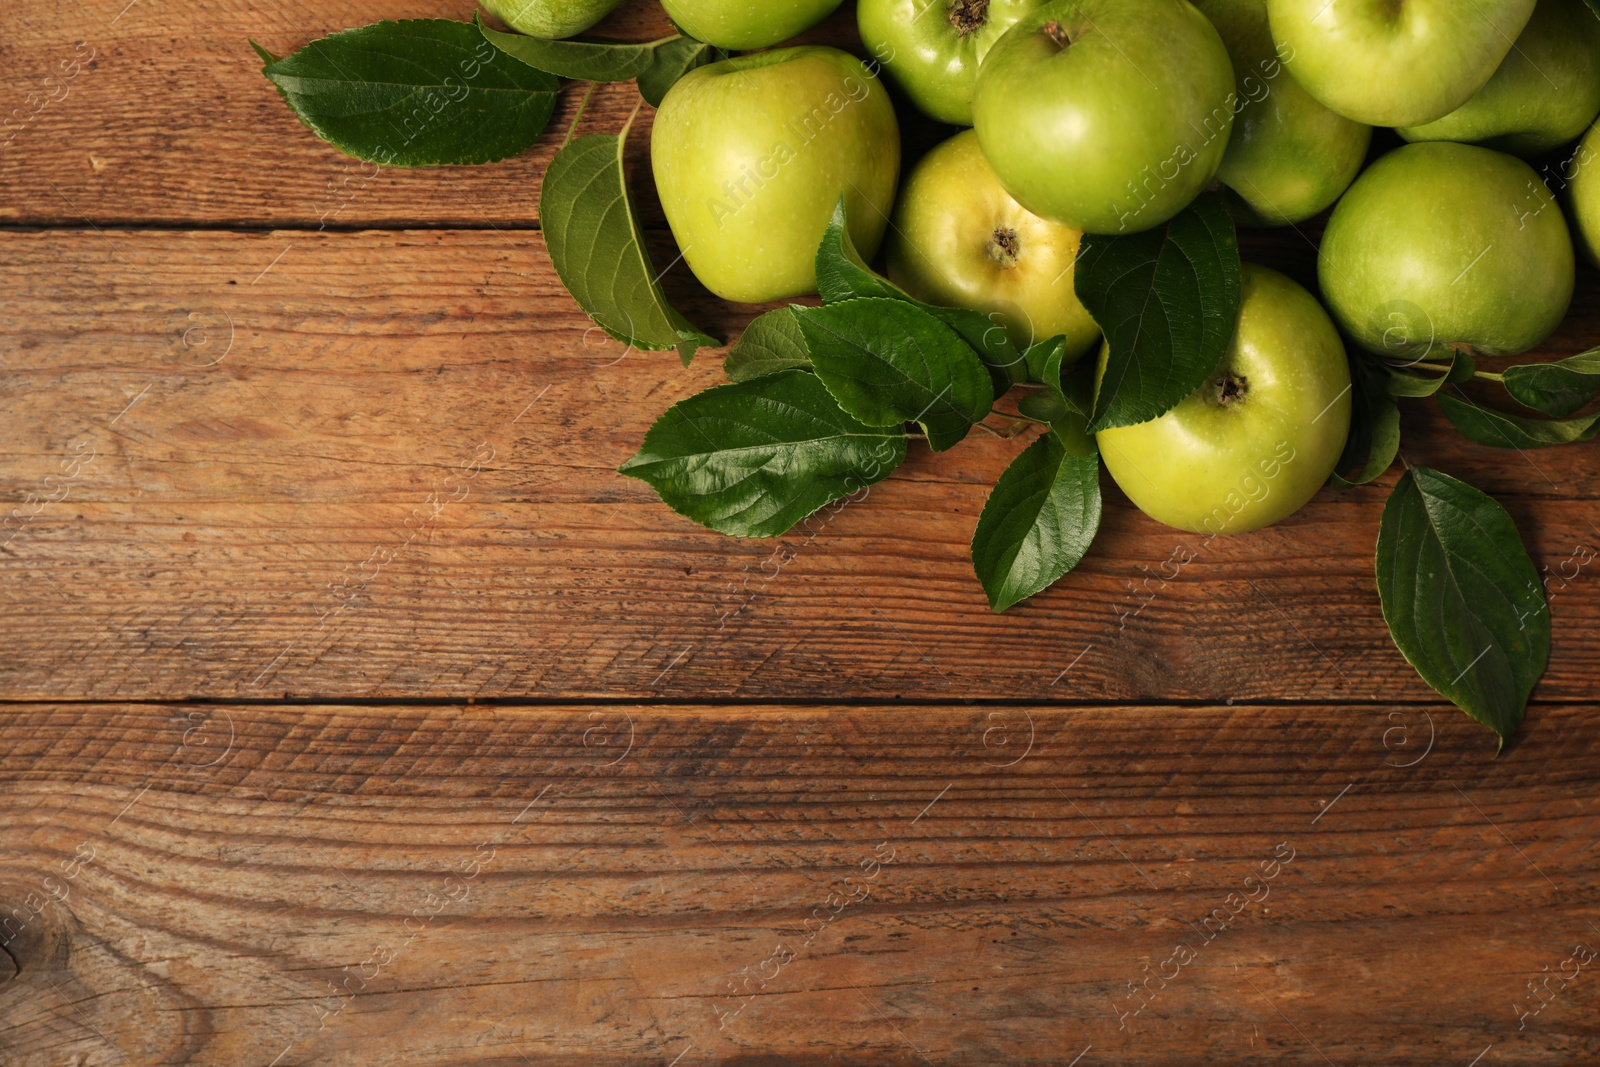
[
  {"x": 1545, "y": 93},
  {"x": 746, "y": 24},
  {"x": 960, "y": 240},
  {"x": 1585, "y": 191},
  {"x": 1289, "y": 157},
  {"x": 932, "y": 48},
  {"x": 1447, "y": 244},
  {"x": 1256, "y": 441},
  {"x": 1107, "y": 115},
  {"x": 552, "y": 19},
  {"x": 751, "y": 154},
  {"x": 1395, "y": 62}
]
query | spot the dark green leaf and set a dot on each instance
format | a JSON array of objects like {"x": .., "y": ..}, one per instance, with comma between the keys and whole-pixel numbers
[
  {"x": 1168, "y": 300},
  {"x": 671, "y": 61},
  {"x": 841, "y": 272},
  {"x": 1498, "y": 430},
  {"x": 1059, "y": 401},
  {"x": 1462, "y": 367},
  {"x": 1406, "y": 381},
  {"x": 591, "y": 61},
  {"x": 843, "y": 275},
  {"x": 889, "y": 362},
  {"x": 593, "y": 236},
  {"x": 753, "y": 458},
  {"x": 414, "y": 93},
  {"x": 770, "y": 344},
  {"x": 1040, "y": 519},
  {"x": 1462, "y": 598},
  {"x": 1374, "y": 439},
  {"x": 1044, "y": 406},
  {"x": 1556, "y": 388}
]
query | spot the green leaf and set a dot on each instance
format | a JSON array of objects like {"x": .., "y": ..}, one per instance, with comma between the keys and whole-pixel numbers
[
  {"x": 1486, "y": 426},
  {"x": 1057, "y": 402},
  {"x": 1374, "y": 439},
  {"x": 671, "y": 61},
  {"x": 1040, "y": 519},
  {"x": 657, "y": 64},
  {"x": 843, "y": 275},
  {"x": 1168, "y": 300},
  {"x": 841, "y": 272},
  {"x": 414, "y": 93},
  {"x": 1556, "y": 388},
  {"x": 770, "y": 344},
  {"x": 1403, "y": 381},
  {"x": 1462, "y": 598},
  {"x": 753, "y": 458},
  {"x": 593, "y": 235},
  {"x": 889, "y": 362},
  {"x": 591, "y": 61}
]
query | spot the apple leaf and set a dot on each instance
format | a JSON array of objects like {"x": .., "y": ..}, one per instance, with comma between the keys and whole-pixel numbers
[
  {"x": 1374, "y": 439},
  {"x": 841, "y": 272},
  {"x": 657, "y": 64},
  {"x": 592, "y": 61},
  {"x": 1055, "y": 403},
  {"x": 1462, "y": 599},
  {"x": 671, "y": 61},
  {"x": 1496, "y": 429},
  {"x": 1404, "y": 382},
  {"x": 592, "y": 232},
  {"x": 1041, "y": 517},
  {"x": 1168, "y": 301},
  {"x": 889, "y": 362},
  {"x": 414, "y": 93},
  {"x": 1559, "y": 388},
  {"x": 753, "y": 458},
  {"x": 843, "y": 275},
  {"x": 770, "y": 344}
]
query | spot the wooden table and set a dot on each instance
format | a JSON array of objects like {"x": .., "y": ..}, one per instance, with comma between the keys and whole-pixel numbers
[{"x": 361, "y": 713}]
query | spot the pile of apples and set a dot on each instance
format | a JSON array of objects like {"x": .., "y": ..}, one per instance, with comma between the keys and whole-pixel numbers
[{"x": 1111, "y": 117}]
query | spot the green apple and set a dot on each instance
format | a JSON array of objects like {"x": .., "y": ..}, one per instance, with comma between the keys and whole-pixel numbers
[
  {"x": 551, "y": 19},
  {"x": 742, "y": 24},
  {"x": 1545, "y": 93},
  {"x": 1106, "y": 115},
  {"x": 960, "y": 240},
  {"x": 1395, "y": 62},
  {"x": 932, "y": 48},
  {"x": 1447, "y": 244},
  {"x": 1289, "y": 157},
  {"x": 1253, "y": 444},
  {"x": 751, "y": 154},
  {"x": 1584, "y": 167}
]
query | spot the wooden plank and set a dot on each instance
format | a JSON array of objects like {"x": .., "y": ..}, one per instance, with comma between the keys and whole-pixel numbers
[
  {"x": 285, "y": 486},
  {"x": 254, "y": 885},
  {"x": 158, "y": 113}
]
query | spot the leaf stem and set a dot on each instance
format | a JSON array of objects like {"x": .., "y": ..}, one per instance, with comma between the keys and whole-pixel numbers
[
  {"x": 626, "y": 126},
  {"x": 1491, "y": 376},
  {"x": 582, "y": 106}
]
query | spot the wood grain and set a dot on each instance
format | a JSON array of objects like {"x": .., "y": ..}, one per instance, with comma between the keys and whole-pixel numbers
[
  {"x": 274, "y": 426},
  {"x": 169, "y": 121},
  {"x": 401, "y": 885},
  {"x": 275, "y": 506}
]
